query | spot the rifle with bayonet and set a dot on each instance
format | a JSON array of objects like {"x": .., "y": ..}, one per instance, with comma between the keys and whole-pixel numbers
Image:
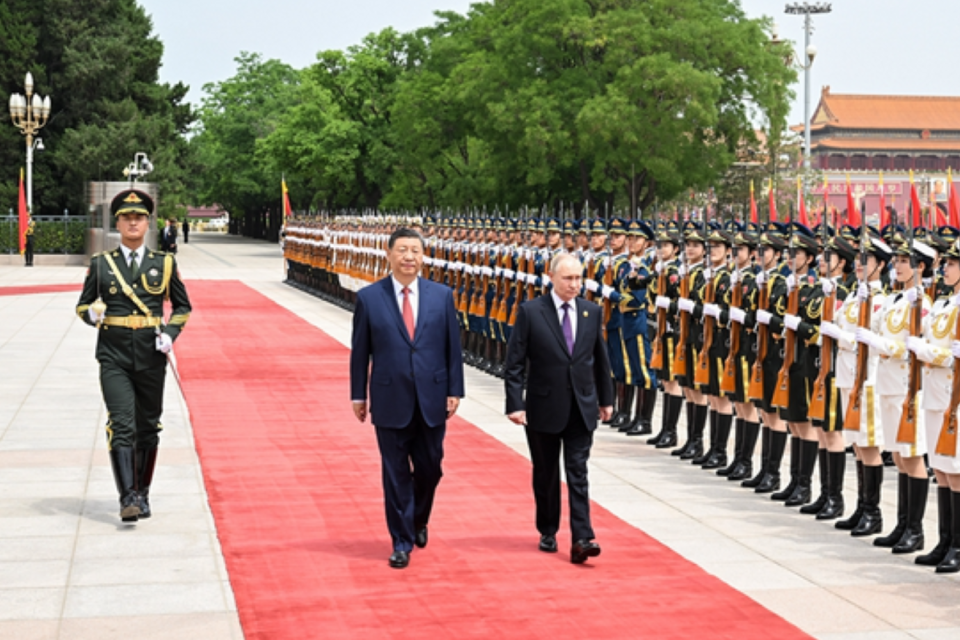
[
  {"x": 781, "y": 395},
  {"x": 907, "y": 432}
]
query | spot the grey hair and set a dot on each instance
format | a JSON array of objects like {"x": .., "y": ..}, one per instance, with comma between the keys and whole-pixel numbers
[{"x": 560, "y": 258}]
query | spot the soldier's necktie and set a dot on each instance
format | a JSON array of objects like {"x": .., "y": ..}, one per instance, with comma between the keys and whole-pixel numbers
[
  {"x": 134, "y": 265},
  {"x": 408, "y": 312},
  {"x": 567, "y": 326}
]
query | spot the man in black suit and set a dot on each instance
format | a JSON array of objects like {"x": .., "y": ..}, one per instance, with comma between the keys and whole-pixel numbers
[{"x": 569, "y": 388}]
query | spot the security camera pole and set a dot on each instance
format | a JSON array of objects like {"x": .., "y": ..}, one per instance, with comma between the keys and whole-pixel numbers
[
  {"x": 29, "y": 114},
  {"x": 140, "y": 166}
]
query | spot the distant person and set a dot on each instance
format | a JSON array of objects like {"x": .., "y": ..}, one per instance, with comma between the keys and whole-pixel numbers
[
  {"x": 168, "y": 239},
  {"x": 123, "y": 298},
  {"x": 28, "y": 242},
  {"x": 406, "y": 344},
  {"x": 186, "y": 231},
  {"x": 558, "y": 353}
]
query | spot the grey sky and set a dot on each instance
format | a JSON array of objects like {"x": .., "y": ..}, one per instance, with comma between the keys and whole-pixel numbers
[{"x": 864, "y": 46}]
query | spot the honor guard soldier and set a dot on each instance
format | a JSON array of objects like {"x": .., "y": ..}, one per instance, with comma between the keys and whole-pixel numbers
[
  {"x": 856, "y": 380},
  {"x": 665, "y": 290},
  {"x": 772, "y": 300},
  {"x": 610, "y": 278},
  {"x": 123, "y": 297},
  {"x": 635, "y": 335},
  {"x": 740, "y": 319},
  {"x": 28, "y": 242}
]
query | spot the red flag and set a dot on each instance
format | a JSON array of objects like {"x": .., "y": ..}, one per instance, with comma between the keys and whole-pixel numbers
[
  {"x": 884, "y": 214},
  {"x": 287, "y": 209},
  {"x": 954, "y": 203},
  {"x": 941, "y": 216},
  {"x": 773, "y": 204},
  {"x": 853, "y": 215},
  {"x": 24, "y": 215},
  {"x": 915, "y": 203},
  {"x": 754, "y": 218}
]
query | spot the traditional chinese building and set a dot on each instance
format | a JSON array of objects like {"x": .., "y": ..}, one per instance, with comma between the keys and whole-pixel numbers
[{"x": 864, "y": 135}]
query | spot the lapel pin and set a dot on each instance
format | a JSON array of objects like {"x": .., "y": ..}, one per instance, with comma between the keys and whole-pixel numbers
[{"x": 586, "y": 314}]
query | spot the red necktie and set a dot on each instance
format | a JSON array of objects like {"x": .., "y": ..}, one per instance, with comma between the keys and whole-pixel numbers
[{"x": 408, "y": 312}]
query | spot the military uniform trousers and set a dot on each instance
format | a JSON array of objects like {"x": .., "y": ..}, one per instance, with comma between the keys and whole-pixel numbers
[{"x": 134, "y": 401}]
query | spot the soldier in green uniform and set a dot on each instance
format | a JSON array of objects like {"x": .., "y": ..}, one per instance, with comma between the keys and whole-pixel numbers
[
  {"x": 28, "y": 242},
  {"x": 123, "y": 298}
]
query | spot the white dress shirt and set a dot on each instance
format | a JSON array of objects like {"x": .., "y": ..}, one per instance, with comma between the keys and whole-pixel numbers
[
  {"x": 127, "y": 252},
  {"x": 414, "y": 294},
  {"x": 558, "y": 303}
]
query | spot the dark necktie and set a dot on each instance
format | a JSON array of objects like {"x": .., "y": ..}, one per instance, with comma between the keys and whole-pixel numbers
[
  {"x": 134, "y": 266},
  {"x": 567, "y": 326},
  {"x": 408, "y": 312}
]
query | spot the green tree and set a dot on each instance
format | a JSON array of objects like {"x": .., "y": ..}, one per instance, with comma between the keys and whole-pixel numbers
[
  {"x": 237, "y": 114},
  {"x": 98, "y": 60}
]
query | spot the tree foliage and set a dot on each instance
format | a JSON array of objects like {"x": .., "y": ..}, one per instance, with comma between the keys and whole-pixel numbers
[{"x": 98, "y": 60}]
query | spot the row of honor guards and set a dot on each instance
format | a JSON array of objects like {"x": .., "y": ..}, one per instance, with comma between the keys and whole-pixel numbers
[{"x": 796, "y": 340}]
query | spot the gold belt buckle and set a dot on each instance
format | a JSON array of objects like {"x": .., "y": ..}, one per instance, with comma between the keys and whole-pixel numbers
[{"x": 136, "y": 322}]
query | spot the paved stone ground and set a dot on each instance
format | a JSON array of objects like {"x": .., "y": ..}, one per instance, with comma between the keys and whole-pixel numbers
[{"x": 69, "y": 570}]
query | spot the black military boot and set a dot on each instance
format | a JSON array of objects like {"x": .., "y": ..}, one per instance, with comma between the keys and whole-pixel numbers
[
  {"x": 738, "y": 427},
  {"x": 646, "y": 403},
  {"x": 146, "y": 463},
  {"x": 794, "y": 471},
  {"x": 755, "y": 481},
  {"x": 851, "y": 522},
  {"x": 691, "y": 418},
  {"x": 696, "y": 443},
  {"x": 939, "y": 552},
  {"x": 672, "y": 407},
  {"x": 836, "y": 466},
  {"x": 743, "y": 472},
  {"x": 912, "y": 539},
  {"x": 770, "y": 481},
  {"x": 701, "y": 459},
  {"x": 871, "y": 520},
  {"x": 894, "y": 536},
  {"x": 814, "y": 507},
  {"x": 951, "y": 562},
  {"x": 808, "y": 459},
  {"x": 718, "y": 457},
  {"x": 626, "y": 417},
  {"x": 617, "y": 404},
  {"x": 125, "y": 475}
]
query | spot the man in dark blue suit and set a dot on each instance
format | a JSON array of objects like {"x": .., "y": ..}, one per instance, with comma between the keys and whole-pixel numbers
[
  {"x": 406, "y": 343},
  {"x": 558, "y": 352}
]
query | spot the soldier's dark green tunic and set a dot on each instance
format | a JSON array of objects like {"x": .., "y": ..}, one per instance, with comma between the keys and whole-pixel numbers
[{"x": 132, "y": 370}]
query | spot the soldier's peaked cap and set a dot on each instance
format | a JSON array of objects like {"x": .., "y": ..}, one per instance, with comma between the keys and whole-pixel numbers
[{"x": 132, "y": 201}]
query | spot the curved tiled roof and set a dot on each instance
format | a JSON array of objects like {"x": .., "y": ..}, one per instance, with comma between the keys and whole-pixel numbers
[{"x": 849, "y": 111}]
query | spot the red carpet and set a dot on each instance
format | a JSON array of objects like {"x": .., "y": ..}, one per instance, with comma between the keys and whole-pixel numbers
[
  {"x": 294, "y": 484},
  {"x": 39, "y": 288}
]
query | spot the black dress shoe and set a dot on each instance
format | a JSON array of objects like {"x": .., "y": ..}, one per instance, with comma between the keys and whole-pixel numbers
[
  {"x": 399, "y": 559},
  {"x": 583, "y": 549},
  {"x": 548, "y": 544},
  {"x": 421, "y": 539}
]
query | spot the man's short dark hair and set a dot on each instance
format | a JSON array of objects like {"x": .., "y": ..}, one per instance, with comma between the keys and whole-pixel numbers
[{"x": 404, "y": 232}]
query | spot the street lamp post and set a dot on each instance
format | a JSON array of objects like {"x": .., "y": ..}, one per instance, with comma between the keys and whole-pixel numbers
[
  {"x": 806, "y": 9},
  {"x": 29, "y": 113}
]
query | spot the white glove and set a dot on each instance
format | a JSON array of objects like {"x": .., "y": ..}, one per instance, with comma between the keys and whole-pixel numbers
[
  {"x": 764, "y": 317},
  {"x": 685, "y": 304},
  {"x": 955, "y": 349},
  {"x": 682, "y": 270},
  {"x": 663, "y": 302},
  {"x": 831, "y": 330},
  {"x": 791, "y": 282},
  {"x": 863, "y": 292},
  {"x": 956, "y": 300},
  {"x": 734, "y": 277},
  {"x": 737, "y": 315},
  {"x": 545, "y": 279},
  {"x": 707, "y": 273},
  {"x": 712, "y": 310},
  {"x": 791, "y": 321},
  {"x": 509, "y": 274},
  {"x": 867, "y": 337},
  {"x": 497, "y": 272},
  {"x": 487, "y": 271},
  {"x": 606, "y": 291},
  {"x": 761, "y": 278},
  {"x": 427, "y": 260},
  {"x": 659, "y": 267},
  {"x": 94, "y": 316},
  {"x": 591, "y": 285},
  {"x": 916, "y": 344},
  {"x": 911, "y": 294},
  {"x": 827, "y": 285},
  {"x": 164, "y": 343}
]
